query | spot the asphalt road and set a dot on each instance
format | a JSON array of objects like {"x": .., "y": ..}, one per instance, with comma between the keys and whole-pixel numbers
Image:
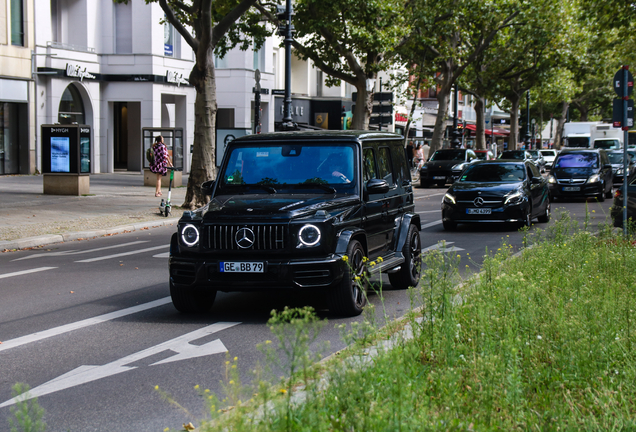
[{"x": 90, "y": 327}]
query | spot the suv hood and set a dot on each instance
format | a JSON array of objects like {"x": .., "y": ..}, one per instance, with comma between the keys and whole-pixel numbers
[{"x": 273, "y": 206}]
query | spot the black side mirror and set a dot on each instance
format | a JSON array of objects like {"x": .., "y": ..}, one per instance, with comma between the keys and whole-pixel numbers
[
  {"x": 607, "y": 166},
  {"x": 377, "y": 186},
  {"x": 207, "y": 187}
]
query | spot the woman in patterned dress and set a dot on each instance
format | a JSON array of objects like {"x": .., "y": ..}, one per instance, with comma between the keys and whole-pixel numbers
[{"x": 161, "y": 163}]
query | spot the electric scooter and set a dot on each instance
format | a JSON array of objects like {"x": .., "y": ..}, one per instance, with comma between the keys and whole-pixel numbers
[{"x": 166, "y": 208}]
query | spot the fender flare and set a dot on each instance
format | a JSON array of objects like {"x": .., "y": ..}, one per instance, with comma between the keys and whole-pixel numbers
[
  {"x": 403, "y": 229},
  {"x": 345, "y": 236}
]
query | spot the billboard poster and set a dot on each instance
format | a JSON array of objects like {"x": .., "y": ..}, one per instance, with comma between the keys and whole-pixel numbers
[
  {"x": 60, "y": 154},
  {"x": 85, "y": 154}
]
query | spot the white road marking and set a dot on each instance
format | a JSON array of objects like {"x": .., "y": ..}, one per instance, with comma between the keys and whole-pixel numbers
[
  {"x": 430, "y": 211},
  {"x": 45, "y": 334},
  {"x": 76, "y": 252},
  {"x": 445, "y": 249},
  {"x": 428, "y": 225},
  {"x": 431, "y": 195},
  {"x": 123, "y": 254},
  {"x": 85, "y": 374},
  {"x": 162, "y": 255},
  {"x": 23, "y": 272}
]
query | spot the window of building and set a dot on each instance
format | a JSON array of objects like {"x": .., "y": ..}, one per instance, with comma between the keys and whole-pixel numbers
[
  {"x": 220, "y": 62},
  {"x": 54, "y": 21},
  {"x": 71, "y": 107},
  {"x": 17, "y": 23},
  {"x": 123, "y": 28},
  {"x": 171, "y": 41},
  {"x": 259, "y": 58}
]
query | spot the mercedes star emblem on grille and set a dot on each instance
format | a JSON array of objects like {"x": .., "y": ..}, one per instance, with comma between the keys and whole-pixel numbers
[
  {"x": 479, "y": 201},
  {"x": 244, "y": 238}
]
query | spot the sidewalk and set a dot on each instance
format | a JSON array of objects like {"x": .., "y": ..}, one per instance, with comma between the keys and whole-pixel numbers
[{"x": 116, "y": 203}]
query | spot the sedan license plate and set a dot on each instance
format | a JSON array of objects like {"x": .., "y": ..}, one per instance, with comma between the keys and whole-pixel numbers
[
  {"x": 242, "y": 267},
  {"x": 439, "y": 178},
  {"x": 571, "y": 188},
  {"x": 479, "y": 211}
]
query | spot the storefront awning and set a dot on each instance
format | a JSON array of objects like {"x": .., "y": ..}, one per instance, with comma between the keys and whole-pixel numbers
[{"x": 488, "y": 131}]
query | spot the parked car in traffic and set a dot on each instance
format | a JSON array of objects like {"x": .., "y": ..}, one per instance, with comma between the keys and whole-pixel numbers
[
  {"x": 284, "y": 211},
  {"x": 515, "y": 154},
  {"x": 497, "y": 191},
  {"x": 548, "y": 156},
  {"x": 445, "y": 165},
  {"x": 581, "y": 173},
  {"x": 616, "y": 211},
  {"x": 484, "y": 155},
  {"x": 538, "y": 159},
  {"x": 618, "y": 166}
]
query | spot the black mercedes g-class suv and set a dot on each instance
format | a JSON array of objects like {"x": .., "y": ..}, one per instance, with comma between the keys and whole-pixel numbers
[{"x": 287, "y": 207}]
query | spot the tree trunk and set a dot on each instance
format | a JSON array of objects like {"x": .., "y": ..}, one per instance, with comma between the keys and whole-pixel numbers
[
  {"x": 558, "y": 136},
  {"x": 480, "y": 134},
  {"x": 364, "y": 105},
  {"x": 204, "y": 146},
  {"x": 408, "y": 121},
  {"x": 514, "y": 123},
  {"x": 443, "y": 99}
]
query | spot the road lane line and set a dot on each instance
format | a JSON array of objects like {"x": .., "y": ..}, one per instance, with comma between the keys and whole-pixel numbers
[
  {"x": 162, "y": 255},
  {"x": 123, "y": 254},
  {"x": 87, "y": 373},
  {"x": 428, "y": 225},
  {"x": 45, "y": 334},
  {"x": 23, "y": 272},
  {"x": 431, "y": 195},
  {"x": 76, "y": 252}
]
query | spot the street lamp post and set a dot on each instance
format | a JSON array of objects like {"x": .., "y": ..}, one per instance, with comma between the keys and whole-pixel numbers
[
  {"x": 527, "y": 136},
  {"x": 288, "y": 122},
  {"x": 455, "y": 133}
]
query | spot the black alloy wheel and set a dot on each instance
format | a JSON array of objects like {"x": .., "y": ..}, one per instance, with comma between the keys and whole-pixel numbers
[
  {"x": 609, "y": 194},
  {"x": 192, "y": 301},
  {"x": 411, "y": 269},
  {"x": 350, "y": 296},
  {"x": 527, "y": 218}
]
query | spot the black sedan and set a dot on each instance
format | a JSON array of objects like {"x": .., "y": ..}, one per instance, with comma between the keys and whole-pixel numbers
[
  {"x": 497, "y": 191},
  {"x": 618, "y": 168},
  {"x": 445, "y": 165},
  {"x": 617, "y": 207}
]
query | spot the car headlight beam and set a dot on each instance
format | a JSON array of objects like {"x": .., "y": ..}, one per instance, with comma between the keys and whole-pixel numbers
[
  {"x": 190, "y": 235},
  {"x": 450, "y": 199},
  {"x": 514, "y": 198},
  {"x": 309, "y": 235}
]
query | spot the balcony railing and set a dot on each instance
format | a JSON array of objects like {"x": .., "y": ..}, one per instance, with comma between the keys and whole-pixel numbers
[{"x": 70, "y": 47}]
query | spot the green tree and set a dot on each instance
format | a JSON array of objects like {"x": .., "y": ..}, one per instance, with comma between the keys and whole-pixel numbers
[
  {"x": 209, "y": 26},
  {"x": 450, "y": 36},
  {"x": 351, "y": 41}
]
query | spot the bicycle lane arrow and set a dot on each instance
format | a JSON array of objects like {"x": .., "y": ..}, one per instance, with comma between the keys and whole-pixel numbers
[{"x": 84, "y": 374}]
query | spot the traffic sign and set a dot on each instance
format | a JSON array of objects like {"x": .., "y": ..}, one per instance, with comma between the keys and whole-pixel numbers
[
  {"x": 617, "y": 114},
  {"x": 618, "y": 79}
]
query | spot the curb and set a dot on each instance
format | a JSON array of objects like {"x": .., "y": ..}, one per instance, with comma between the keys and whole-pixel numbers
[{"x": 31, "y": 242}]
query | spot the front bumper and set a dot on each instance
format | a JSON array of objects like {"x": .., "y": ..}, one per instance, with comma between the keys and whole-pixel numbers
[
  {"x": 204, "y": 273},
  {"x": 576, "y": 190},
  {"x": 458, "y": 213}
]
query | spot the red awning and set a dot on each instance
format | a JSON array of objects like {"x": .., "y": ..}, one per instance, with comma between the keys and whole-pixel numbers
[{"x": 497, "y": 131}]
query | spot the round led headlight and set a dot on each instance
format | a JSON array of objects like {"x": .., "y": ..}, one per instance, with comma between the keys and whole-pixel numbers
[
  {"x": 309, "y": 235},
  {"x": 190, "y": 235}
]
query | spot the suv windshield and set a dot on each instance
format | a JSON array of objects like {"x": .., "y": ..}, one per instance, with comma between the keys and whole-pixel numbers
[
  {"x": 577, "y": 160},
  {"x": 548, "y": 152},
  {"x": 449, "y": 155},
  {"x": 291, "y": 166},
  {"x": 617, "y": 158},
  {"x": 494, "y": 173}
]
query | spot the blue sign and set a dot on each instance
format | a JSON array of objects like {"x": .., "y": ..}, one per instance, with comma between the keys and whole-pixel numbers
[{"x": 167, "y": 50}]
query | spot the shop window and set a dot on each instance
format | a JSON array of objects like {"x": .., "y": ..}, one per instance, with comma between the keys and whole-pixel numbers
[
  {"x": 17, "y": 23},
  {"x": 71, "y": 107}
]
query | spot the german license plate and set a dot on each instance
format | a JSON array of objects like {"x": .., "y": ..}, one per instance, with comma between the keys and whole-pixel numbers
[
  {"x": 479, "y": 211},
  {"x": 571, "y": 188},
  {"x": 242, "y": 267},
  {"x": 439, "y": 178}
]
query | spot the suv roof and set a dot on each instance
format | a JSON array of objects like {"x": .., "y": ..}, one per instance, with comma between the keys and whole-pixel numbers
[{"x": 329, "y": 135}]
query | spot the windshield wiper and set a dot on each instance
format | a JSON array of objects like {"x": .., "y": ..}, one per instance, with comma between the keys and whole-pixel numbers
[
  {"x": 268, "y": 188},
  {"x": 322, "y": 186}
]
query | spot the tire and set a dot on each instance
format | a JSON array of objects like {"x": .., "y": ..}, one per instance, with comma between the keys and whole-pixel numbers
[
  {"x": 192, "y": 301},
  {"x": 609, "y": 194},
  {"x": 545, "y": 218},
  {"x": 350, "y": 296},
  {"x": 409, "y": 273},
  {"x": 527, "y": 219},
  {"x": 449, "y": 225}
]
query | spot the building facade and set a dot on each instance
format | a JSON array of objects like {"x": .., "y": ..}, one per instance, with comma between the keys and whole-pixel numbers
[
  {"x": 17, "y": 109},
  {"x": 117, "y": 69}
]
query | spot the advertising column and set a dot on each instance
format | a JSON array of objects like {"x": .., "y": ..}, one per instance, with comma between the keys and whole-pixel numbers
[{"x": 66, "y": 159}]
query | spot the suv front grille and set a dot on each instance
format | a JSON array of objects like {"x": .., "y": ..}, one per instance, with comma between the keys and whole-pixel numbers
[{"x": 265, "y": 237}]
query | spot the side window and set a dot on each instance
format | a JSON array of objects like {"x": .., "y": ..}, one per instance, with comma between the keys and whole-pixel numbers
[
  {"x": 529, "y": 171},
  {"x": 400, "y": 167},
  {"x": 384, "y": 165},
  {"x": 369, "y": 164}
]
